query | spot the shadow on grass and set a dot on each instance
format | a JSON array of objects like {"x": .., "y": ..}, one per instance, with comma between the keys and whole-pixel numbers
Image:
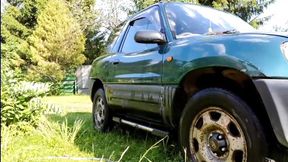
[{"x": 112, "y": 144}]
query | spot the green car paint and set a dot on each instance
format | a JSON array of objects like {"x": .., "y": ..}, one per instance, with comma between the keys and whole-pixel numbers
[
  {"x": 257, "y": 55},
  {"x": 145, "y": 82}
]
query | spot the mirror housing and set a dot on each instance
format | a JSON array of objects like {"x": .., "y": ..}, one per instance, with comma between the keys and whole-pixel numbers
[{"x": 149, "y": 36}]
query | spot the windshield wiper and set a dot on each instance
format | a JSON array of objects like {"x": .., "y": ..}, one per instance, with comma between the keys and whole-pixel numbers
[{"x": 232, "y": 31}]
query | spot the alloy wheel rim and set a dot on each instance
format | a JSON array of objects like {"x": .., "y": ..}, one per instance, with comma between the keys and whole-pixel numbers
[
  {"x": 99, "y": 115},
  {"x": 215, "y": 135}
]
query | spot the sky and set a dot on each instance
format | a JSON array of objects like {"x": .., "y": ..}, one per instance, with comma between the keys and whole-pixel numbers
[
  {"x": 3, "y": 3},
  {"x": 278, "y": 12}
]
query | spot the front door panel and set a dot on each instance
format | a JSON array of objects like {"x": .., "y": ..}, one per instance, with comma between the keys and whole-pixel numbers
[
  {"x": 138, "y": 69},
  {"x": 137, "y": 83}
]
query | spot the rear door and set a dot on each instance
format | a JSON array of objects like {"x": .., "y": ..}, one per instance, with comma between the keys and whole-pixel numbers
[{"x": 138, "y": 69}]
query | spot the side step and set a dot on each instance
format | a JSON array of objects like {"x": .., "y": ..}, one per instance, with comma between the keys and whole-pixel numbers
[{"x": 154, "y": 131}]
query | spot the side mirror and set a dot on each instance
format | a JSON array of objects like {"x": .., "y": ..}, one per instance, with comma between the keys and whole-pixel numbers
[{"x": 149, "y": 36}]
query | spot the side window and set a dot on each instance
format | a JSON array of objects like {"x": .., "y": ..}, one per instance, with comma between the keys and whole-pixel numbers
[
  {"x": 149, "y": 20},
  {"x": 130, "y": 45},
  {"x": 113, "y": 40}
]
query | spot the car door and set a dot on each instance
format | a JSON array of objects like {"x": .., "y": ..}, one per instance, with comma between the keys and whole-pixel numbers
[{"x": 138, "y": 69}]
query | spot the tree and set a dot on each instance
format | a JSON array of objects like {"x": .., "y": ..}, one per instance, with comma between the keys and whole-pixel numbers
[
  {"x": 282, "y": 27},
  {"x": 83, "y": 12},
  {"x": 18, "y": 22},
  {"x": 16, "y": 27},
  {"x": 107, "y": 15},
  {"x": 95, "y": 45},
  {"x": 13, "y": 35},
  {"x": 141, "y": 4},
  {"x": 29, "y": 11},
  {"x": 248, "y": 10},
  {"x": 57, "y": 43},
  {"x": 86, "y": 15},
  {"x": 112, "y": 12}
]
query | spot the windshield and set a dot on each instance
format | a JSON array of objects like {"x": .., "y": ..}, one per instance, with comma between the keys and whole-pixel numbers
[{"x": 187, "y": 20}]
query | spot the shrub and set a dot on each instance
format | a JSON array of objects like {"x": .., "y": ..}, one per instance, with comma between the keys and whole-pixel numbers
[
  {"x": 55, "y": 89},
  {"x": 19, "y": 101}
]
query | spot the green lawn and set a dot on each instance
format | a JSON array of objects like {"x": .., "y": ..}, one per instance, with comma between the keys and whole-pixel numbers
[
  {"x": 54, "y": 139},
  {"x": 73, "y": 103}
]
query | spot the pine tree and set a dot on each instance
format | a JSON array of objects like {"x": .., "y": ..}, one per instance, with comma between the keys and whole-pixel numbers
[
  {"x": 18, "y": 21},
  {"x": 13, "y": 37},
  {"x": 57, "y": 44}
]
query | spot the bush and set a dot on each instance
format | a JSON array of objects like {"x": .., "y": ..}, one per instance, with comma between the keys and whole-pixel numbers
[
  {"x": 19, "y": 99},
  {"x": 55, "y": 89}
]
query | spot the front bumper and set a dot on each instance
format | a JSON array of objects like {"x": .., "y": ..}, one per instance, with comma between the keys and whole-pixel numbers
[{"x": 274, "y": 94}]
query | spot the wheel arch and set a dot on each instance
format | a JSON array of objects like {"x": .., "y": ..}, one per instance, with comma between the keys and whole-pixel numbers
[
  {"x": 97, "y": 83},
  {"x": 229, "y": 79}
]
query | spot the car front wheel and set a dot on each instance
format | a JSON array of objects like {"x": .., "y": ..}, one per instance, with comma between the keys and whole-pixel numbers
[
  {"x": 218, "y": 126},
  {"x": 100, "y": 112}
]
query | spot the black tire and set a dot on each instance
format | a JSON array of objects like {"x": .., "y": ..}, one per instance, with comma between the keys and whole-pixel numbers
[
  {"x": 223, "y": 115},
  {"x": 279, "y": 153},
  {"x": 102, "y": 118}
]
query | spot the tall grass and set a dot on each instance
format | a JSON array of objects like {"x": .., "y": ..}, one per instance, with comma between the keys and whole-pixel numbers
[
  {"x": 49, "y": 138},
  {"x": 52, "y": 141},
  {"x": 51, "y": 131},
  {"x": 71, "y": 137},
  {"x": 155, "y": 145}
]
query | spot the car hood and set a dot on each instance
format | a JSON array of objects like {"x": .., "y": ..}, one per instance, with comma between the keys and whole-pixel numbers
[
  {"x": 244, "y": 37},
  {"x": 279, "y": 34},
  {"x": 260, "y": 52}
]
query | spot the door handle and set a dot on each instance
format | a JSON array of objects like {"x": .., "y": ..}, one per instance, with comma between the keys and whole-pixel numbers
[{"x": 114, "y": 62}]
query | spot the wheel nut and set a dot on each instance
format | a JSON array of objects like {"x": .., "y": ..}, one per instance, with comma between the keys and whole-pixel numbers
[
  {"x": 220, "y": 137},
  {"x": 223, "y": 149}
]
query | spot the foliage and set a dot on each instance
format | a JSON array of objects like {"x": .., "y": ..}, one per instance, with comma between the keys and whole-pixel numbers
[
  {"x": 85, "y": 14},
  {"x": 112, "y": 13},
  {"x": 29, "y": 9},
  {"x": 51, "y": 138},
  {"x": 41, "y": 38},
  {"x": 18, "y": 100},
  {"x": 13, "y": 35},
  {"x": 248, "y": 10},
  {"x": 72, "y": 136},
  {"x": 18, "y": 22},
  {"x": 56, "y": 44},
  {"x": 281, "y": 28},
  {"x": 55, "y": 89},
  {"x": 141, "y": 4},
  {"x": 95, "y": 46},
  {"x": 18, "y": 103},
  {"x": 60, "y": 130}
]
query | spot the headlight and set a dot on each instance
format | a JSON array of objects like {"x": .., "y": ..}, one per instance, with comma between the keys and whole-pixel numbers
[{"x": 284, "y": 49}]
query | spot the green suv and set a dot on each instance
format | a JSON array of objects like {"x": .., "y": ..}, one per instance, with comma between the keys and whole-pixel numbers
[{"x": 202, "y": 74}]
